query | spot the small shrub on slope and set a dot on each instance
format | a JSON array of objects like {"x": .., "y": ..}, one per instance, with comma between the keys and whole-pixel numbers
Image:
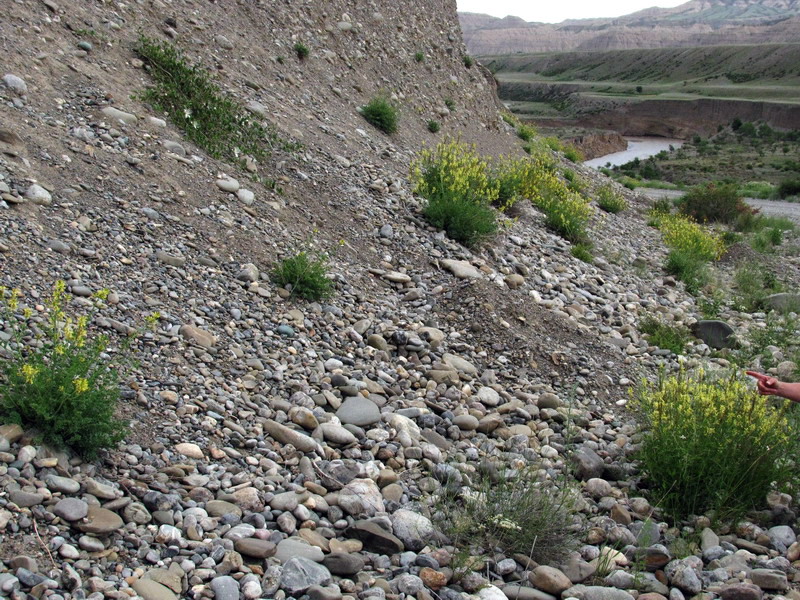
[
  {"x": 304, "y": 275},
  {"x": 382, "y": 114},
  {"x": 65, "y": 388},
  {"x": 514, "y": 511},
  {"x": 610, "y": 200},
  {"x": 713, "y": 202},
  {"x": 197, "y": 106},
  {"x": 714, "y": 445},
  {"x": 691, "y": 248},
  {"x": 664, "y": 335}
]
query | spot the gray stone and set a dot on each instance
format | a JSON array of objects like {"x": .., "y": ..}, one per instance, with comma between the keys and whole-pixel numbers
[
  {"x": 220, "y": 508},
  {"x": 741, "y": 591},
  {"x": 197, "y": 336},
  {"x": 340, "y": 563},
  {"x": 225, "y": 588},
  {"x": 460, "y": 364},
  {"x": 119, "y": 115},
  {"x": 299, "y": 574},
  {"x": 716, "y": 334},
  {"x": 71, "y": 509},
  {"x": 769, "y": 579},
  {"x": 595, "y": 592},
  {"x": 708, "y": 539},
  {"x": 100, "y": 521},
  {"x": 248, "y": 272},
  {"x": 549, "y": 579},
  {"x": 358, "y": 411},
  {"x": 25, "y": 499},
  {"x": 152, "y": 590},
  {"x": 285, "y": 435},
  {"x": 255, "y": 547},
  {"x": 15, "y": 84},
  {"x": 228, "y": 184},
  {"x": 376, "y": 538},
  {"x": 361, "y": 497},
  {"x": 685, "y": 578},
  {"x": 462, "y": 269},
  {"x": 518, "y": 592},
  {"x": 38, "y": 195},
  {"x": 173, "y": 260},
  {"x": 588, "y": 465},
  {"x": 781, "y": 536},
  {"x": 784, "y": 302},
  {"x": 413, "y": 529},
  {"x": 296, "y": 547}
]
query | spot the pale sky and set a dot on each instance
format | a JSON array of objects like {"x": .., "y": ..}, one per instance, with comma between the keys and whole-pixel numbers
[{"x": 553, "y": 11}]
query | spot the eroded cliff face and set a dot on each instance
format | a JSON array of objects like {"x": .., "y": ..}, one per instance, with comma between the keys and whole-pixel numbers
[{"x": 697, "y": 23}]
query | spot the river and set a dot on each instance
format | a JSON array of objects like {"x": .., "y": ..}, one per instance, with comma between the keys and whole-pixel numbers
[{"x": 644, "y": 147}]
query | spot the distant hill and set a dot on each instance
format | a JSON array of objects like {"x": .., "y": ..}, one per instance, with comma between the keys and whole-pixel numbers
[{"x": 695, "y": 23}]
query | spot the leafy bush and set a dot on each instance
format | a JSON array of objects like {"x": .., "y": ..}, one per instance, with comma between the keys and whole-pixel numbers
[
  {"x": 713, "y": 445},
  {"x": 419, "y": 57},
  {"x": 509, "y": 119},
  {"x": 433, "y": 126},
  {"x": 766, "y": 239},
  {"x": 713, "y": 202},
  {"x": 610, "y": 200},
  {"x": 571, "y": 153},
  {"x": 689, "y": 269},
  {"x": 468, "y": 61},
  {"x": 758, "y": 189},
  {"x": 197, "y": 106},
  {"x": 301, "y": 50},
  {"x": 513, "y": 511},
  {"x": 65, "y": 388},
  {"x": 665, "y": 335},
  {"x": 567, "y": 214},
  {"x": 454, "y": 180},
  {"x": 382, "y": 114},
  {"x": 788, "y": 187},
  {"x": 681, "y": 233},
  {"x": 450, "y": 104},
  {"x": 465, "y": 221},
  {"x": 753, "y": 283},
  {"x": 304, "y": 275},
  {"x": 582, "y": 251},
  {"x": 526, "y": 132}
]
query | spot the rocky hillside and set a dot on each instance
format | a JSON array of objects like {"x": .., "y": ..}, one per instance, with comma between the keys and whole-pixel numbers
[
  {"x": 695, "y": 23},
  {"x": 288, "y": 449}
]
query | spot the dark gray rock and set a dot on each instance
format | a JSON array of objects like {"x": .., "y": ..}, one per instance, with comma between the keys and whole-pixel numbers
[
  {"x": 340, "y": 563},
  {"x": 588, "y": 464},
  {"x": 717, "y": 334},
  {"x": 300, "y": 573}
]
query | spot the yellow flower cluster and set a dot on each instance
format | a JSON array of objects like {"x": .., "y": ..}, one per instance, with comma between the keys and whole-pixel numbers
[
  {"x": 682, "y": 233},
  {"x": 29, "y": 372},
  {"x": 696, "y": 408},
  {"x": 453, "y": 170}
]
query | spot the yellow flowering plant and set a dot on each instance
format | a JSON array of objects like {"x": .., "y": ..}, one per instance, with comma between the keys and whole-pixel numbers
[
  {"x": 61, "y": 386},
  {"x": 714, "y": 444}
]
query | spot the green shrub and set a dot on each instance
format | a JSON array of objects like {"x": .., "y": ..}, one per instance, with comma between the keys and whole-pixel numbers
[
  {"x": 514, "y": 511},
  {"x": 665, "y": 335},
  {"x": 509, "y": 119},
  {"x": 689, "y": 269},
  {"x": 468, "y": 61},
  {"x": 713, "y": 445},
  {"x": 304, "y": 275},
  {"x": 680, "y": 233},
  {"x": 382, "y": 114},
  {"x": 553, "y": 143},
  {"x": 610, "y": 200},
  {"x": 419, "y": 57},
  {"x": 465, "y": 221},
  {"x": 713, "y": 202},
  {"x": 66, "y": 387},
  {"x": 433, "y": 126},
  {"x": 583, "y": 251},
  {"x": 662, "y": 206},
  {"x": 526, "y": 132},
  {"x": 572, "y": 154},
  {"x": 197, "y": 106},
  {"x": 788, "y": 187},
  {"x": 566, "y": 214},
  {"x": 758, "y": 189},
  {"x": 753, "y": 283},
  {"x": 450, "y": 104},
  {"x": 459, "y": 191},
  {"x": 301, "y": 50},
  {"x": 766, "y": 239}
]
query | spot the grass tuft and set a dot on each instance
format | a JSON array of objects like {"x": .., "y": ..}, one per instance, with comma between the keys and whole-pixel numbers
[
  {"x": 304, "y": 275},
  {"x": 382, "y": 114}
]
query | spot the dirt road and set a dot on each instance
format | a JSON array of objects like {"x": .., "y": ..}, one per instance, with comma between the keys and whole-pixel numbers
[{"x": 773, "y": 208}]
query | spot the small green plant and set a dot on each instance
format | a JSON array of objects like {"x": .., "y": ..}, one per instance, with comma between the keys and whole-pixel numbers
[
  {"x": 583, "y": 251},
  {"x": 515, "y": 511},
  {"x": 710, "y": 305},
  {"x": 788, "y": 188},
  {"x": 610, "y": 200},
  {"x": 197, "y": 106},
  {"x": 572, "y": 154},
  {"x": 753, "y": 283},
  {"x": 713, "y": 202},
  {"x": 526, "y": 132},
  {"x": 466, "y": 222},
  {"x": 468, "y": 61},
  {"x": 765, "y": 240},
  {"x": 419, "y": 57},
  {"x": 64, "y": 388},
  {"x": 509, "y": 119},
  {"x": 382, "y": 114},
  {"x": 304, "y": 275},
  {"x": 689, "y": 269},
  {"x": 433, "y": 126},
  {"x": 691, "y": 248},
  {"x": 450, "y": 104},
  {"x": 301, "y": 50},
  {"x": 665, "y": 335},
  {"x": 714, "y": 445}
]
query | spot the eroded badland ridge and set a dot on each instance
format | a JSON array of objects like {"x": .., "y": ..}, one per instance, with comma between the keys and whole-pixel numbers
[{"x": 282, "y": 448}]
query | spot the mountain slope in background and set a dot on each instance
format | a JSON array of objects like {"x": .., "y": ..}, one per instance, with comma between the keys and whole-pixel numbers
[{"x": 696, "y": 23}]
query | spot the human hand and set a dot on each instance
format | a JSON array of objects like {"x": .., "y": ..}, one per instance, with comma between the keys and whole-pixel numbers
[{"x": 768, "y": 386}]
